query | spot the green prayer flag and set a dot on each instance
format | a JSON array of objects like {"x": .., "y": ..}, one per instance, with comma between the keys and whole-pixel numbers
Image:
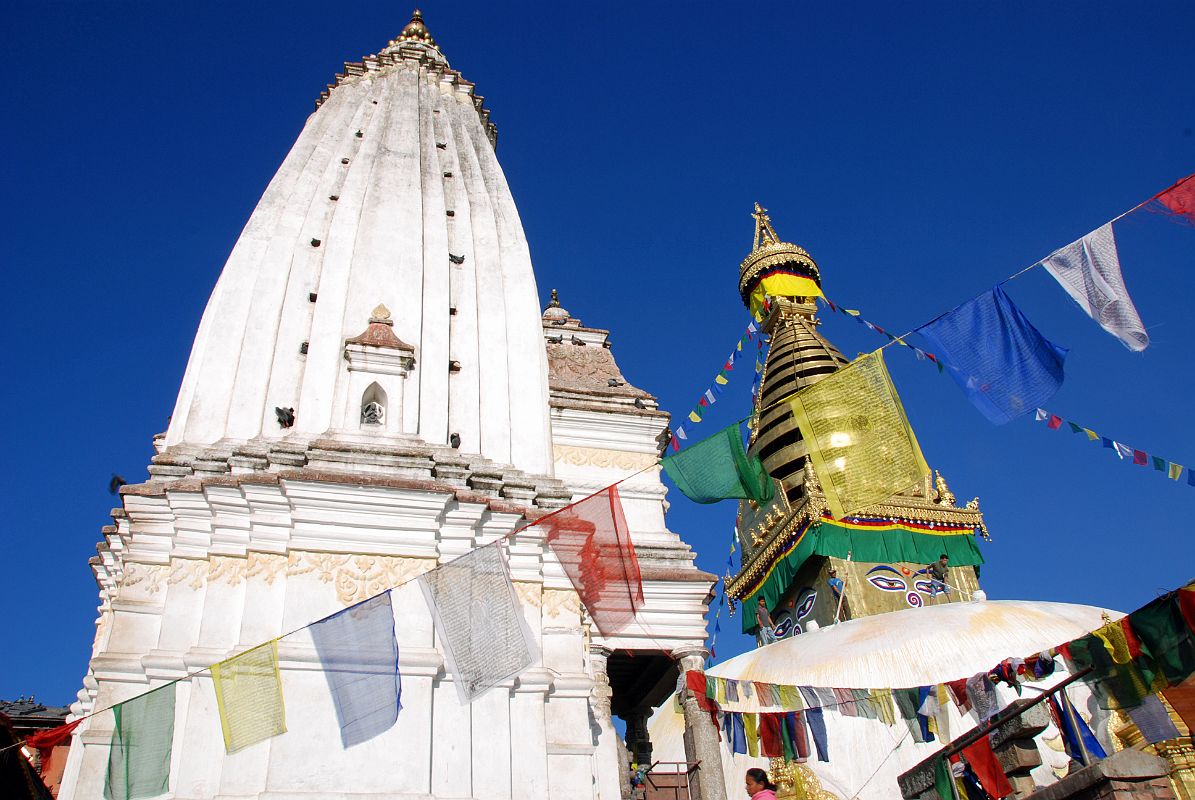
[
  {"x": 943, "y": 780},
  {"x": 139, "y": 758},
  {"x": 1075, "y": 428},
  {"x": 1159, "y": 464},
  {"x": 1161, "y": 627},
  {"x": 1116, "y": 686},
  {"x": 718, "y": 468},
  {"x": 790, "y": 747}
]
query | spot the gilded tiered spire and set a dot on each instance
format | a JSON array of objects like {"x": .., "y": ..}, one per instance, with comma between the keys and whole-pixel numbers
[{"x": 771, "y": 259}]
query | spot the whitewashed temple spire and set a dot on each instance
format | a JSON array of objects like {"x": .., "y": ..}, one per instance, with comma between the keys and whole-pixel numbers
[{"x": 391, "y": 195}]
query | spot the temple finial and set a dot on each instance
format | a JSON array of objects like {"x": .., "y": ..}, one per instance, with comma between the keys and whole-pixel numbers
[
  {"x": 764, "y": 234},
  {"x": 555, "y": 301},
  {"x": 416, "y": 31}
]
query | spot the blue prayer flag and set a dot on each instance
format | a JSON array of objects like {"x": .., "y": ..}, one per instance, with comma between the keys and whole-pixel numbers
[
  {"x": 359, "y": 656},
  {"x": 1003, "y": 363},
  {"x": 1107, "y": 442}
]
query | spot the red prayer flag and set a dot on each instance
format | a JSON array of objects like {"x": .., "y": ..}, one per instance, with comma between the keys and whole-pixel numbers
[
  {"x": 1055, "y": 422},
  {"x": 1130, "y": 638},
  {"x": 987, "y": 769},
  {"x": 1179, "y": 199},
  {"x": 1182, "y": 699},
  {"x": 45, "y": 741},
  {"x": 958, "y": 690},
  {"x": 770, "y": 743},
  {"x": 593, "y": 544},
  {"x": 1140, "y": 457},
  {"x": 1186, "y": 606},
  {"x": 674, "y": 444}
]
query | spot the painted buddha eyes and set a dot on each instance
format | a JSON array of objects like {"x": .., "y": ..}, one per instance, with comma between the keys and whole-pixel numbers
[{"x": 890, "y": 579}]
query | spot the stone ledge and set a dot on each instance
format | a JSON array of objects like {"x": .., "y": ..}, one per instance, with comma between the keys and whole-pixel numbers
[{"x": 1129, "y": 766}]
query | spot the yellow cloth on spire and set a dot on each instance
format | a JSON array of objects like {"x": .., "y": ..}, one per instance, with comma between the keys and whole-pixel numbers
[
  {"x": 858, "y": 436},
  {"x": 249, "y": 695},
  {"x": 782, "y": 285}
]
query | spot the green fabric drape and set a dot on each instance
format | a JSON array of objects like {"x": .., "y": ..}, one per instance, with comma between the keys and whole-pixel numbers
[
  {"x": 890, "y": 546},
  {"x": 718, "y": 468},
  {"x": 139, "y": 758},
  {"x": 1161, "y": 627}
]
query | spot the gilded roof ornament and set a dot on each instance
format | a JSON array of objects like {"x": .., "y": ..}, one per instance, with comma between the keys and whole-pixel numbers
[
  {"x": 416, "y": 31},
  {"x": 379, "y": 314}
]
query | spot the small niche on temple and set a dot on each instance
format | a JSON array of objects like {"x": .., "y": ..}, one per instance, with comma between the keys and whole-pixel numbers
[{"x": 373, "y": 407}]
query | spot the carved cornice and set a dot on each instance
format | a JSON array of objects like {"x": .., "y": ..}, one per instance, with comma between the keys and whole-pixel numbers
[{"x": 600, "y": 457}]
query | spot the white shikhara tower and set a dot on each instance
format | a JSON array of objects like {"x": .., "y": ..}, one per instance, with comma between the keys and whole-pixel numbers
[{"x": 372, "y": 391}]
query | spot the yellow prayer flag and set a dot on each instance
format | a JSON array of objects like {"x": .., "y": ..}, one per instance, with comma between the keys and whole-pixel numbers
[
  {"x": 751, "y": 729},
  {"x": 1175, "y": 471},
  {"x": 249, "y": 696},
  {"x": 720, "y": 378},
  {"x": 790, "y": 698},
  {"x": 852, "y": 311},
  {"x": 858, "y": 437},
  {"x": 693, "y": 416},
  {"x": 1092, "y": 435}
]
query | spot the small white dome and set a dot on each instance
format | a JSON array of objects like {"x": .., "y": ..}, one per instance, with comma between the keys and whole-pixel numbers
[{"x": 915, "y": 647}]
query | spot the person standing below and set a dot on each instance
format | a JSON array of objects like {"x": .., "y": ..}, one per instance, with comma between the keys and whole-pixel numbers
[
  {"x": 764, "y": 620},
  {"x": 758, "y": 785},
  {"x": 937, "y": 572}
]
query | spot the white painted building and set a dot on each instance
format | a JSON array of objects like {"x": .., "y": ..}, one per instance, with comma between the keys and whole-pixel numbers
[{"x": 373, "y": 390}]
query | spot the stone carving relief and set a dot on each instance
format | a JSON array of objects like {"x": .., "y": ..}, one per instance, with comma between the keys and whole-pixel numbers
[
  {"x": 148, "y": 577},
  {"x": 323, "y": 564},
  {"x": 561, "y": 602},
  {"x": 529, "y": 594},
  {"x": 226, "y": 569},
  {"x": 600, "y": 457},
  {"x": 356, "y": 578},
  {"x": 190, "y": 571},
  {"x": 265, "y": 566}
]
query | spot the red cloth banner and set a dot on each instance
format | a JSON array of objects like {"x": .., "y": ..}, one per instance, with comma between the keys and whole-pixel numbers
[
  {"x": 985, "y": 766},
  {"x": 1055, "y": 422},
  {"x": 1140, "y": 457},
  {"x": 1179, "y": 199},
  {"x": 45, "y": 741},
  {"x": 770, "y": 743},
  {"x": 591, "y": 540}
]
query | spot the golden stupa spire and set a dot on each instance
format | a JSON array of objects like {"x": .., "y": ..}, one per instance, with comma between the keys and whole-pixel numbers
[{"x": 764, "y": 233}]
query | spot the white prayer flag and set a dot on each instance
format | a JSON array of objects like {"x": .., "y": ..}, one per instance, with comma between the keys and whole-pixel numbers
[
  {"x": 479, "y": 621},
  {"x": 1089, "y": 271}
]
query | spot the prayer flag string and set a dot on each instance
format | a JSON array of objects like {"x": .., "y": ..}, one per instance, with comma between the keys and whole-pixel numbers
[
  {"x": 709, "y": 397},
  {"x": 1155, "y": 463}
]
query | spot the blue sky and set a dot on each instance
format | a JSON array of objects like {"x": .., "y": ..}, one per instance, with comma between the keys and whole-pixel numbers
[{"x": 920, "y": 153}]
